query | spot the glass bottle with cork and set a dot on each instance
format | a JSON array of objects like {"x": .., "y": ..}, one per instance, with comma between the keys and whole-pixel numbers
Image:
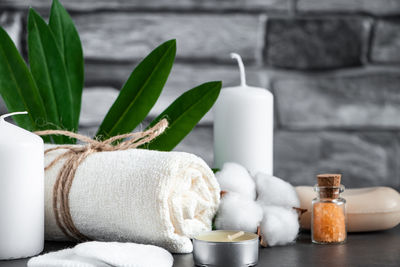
[{"x": 328, "y": 221}]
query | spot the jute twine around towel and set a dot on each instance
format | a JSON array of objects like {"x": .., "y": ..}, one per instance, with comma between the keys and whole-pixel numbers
[{"x": 75, "y": 155}]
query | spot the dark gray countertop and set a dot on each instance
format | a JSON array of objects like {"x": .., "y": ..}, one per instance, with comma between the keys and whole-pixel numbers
[{"x": 362, "y": 249}]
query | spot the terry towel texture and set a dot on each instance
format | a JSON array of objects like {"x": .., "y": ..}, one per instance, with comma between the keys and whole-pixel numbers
[
  {"x": 105, "y": 254},
  {"x": 64, "y": 258},
  {"x": 142, "y": 196}
]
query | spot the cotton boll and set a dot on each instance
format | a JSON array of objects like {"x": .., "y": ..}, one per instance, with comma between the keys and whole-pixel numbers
[
  {"x": 238, "y": 213},
  {"x": 235, "y": 178},
  {"x": 279, "y": 225},
  {"x": 274, "y": 191}
]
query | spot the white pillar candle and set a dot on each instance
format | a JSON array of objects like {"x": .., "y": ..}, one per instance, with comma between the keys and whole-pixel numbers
[
  {"x": 243, "y": 126},
  {"x": 21, "y": 191}
]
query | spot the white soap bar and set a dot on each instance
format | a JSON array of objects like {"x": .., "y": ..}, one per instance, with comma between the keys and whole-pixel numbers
[{"x": 367, "y": 209}]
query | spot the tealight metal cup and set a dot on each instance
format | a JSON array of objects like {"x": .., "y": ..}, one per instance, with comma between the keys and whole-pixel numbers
[{"x": 231, "y": 253}]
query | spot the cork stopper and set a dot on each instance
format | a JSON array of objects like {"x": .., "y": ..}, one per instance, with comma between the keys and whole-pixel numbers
[
  {"x": 329, "y": 179},
  {"x": 329, "y": 185}
]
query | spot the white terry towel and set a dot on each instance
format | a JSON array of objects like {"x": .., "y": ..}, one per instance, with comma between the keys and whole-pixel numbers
[
  {"x": 125, "y": 254},
  {"x": 137, "y": 195},
  {"x": 105, "y": 254},
  {"x": 64, "y": 258}
]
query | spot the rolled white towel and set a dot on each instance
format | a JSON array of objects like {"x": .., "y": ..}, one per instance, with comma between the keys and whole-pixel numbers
[
  {"x": 104, "y": 254},
  {"x": 136, "y": 195}
]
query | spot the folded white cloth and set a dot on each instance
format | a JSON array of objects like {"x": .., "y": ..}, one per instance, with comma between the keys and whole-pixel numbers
[
  {"x": 142, "y": 196},
  {"x": 105, "y": 254},
  {"x": 64, "y": 258},
  {"x": 125, "y": 254}
]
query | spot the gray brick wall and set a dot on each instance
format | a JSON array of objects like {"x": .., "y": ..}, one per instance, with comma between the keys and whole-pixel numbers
[{"x": 333, "y": 66}]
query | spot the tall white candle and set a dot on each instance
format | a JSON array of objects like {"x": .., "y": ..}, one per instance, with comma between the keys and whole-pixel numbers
[
  {"x": 243, "y": 126},
  {"x": 21, "y": 191}
]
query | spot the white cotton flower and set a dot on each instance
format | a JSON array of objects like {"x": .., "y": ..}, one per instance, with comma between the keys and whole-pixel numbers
[
  {"x": 238, "y": 213},
  {"x": 274, "y": 191},
  {"x": 234, "y": 177},
  {"x": 279, "y": 225}
]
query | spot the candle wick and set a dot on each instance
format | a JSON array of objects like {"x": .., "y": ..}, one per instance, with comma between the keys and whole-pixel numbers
[
  {"x": 2, "y": 117},
  {"x": 236, "y": 235},
  {"x": 241, "y": 68}
]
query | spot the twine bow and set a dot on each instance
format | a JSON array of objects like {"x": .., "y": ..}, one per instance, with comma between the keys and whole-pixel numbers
[{"x": 75, "y": 155}]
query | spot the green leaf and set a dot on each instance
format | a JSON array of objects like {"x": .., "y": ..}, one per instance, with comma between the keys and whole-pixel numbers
[
  {"x": 67, "y": 39},
  {"x": 140, "y": 92},
  {"x": 17, "y": 86},
  {"x": 50, "y": 75},
  {"x": 215, "y": 170},
  {"x": 183, "y": 114}
]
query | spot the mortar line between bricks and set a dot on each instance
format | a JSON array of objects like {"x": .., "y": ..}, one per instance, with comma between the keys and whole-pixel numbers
[
  {"x": 323, "y": 13},
  {"x": 165, "y": 10},
  {"x": 341, "y": 130},
  {"x": 271, "y": 13},
  {"x": 293, "y": 7},
  {"x": 371, "y": 40},
  {"x": 367, "y": 44},
  {"x": 397, "y": 162},
  {"x": 179, "y": 60},
  {"x": 372, "y": 67}
]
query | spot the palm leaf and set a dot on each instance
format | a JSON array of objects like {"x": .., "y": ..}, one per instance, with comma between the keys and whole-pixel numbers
[
  {"x": 50, "y": 75},
  {"x": 140, "y": 92},
  {"x": 183, "y": 114},
  {"x": 17, "y": 86},
  {"x": 67, "y": 39}
]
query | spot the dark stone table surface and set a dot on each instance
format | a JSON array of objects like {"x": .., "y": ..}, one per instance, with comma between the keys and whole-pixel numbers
[{"x": 361, "y": 249}]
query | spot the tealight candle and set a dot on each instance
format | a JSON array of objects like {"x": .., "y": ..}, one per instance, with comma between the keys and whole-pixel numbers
[
  {"x": 21, "y": 191},
  {"x": 226, "y": 248},
  {"x": 243, "y": 126}
]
